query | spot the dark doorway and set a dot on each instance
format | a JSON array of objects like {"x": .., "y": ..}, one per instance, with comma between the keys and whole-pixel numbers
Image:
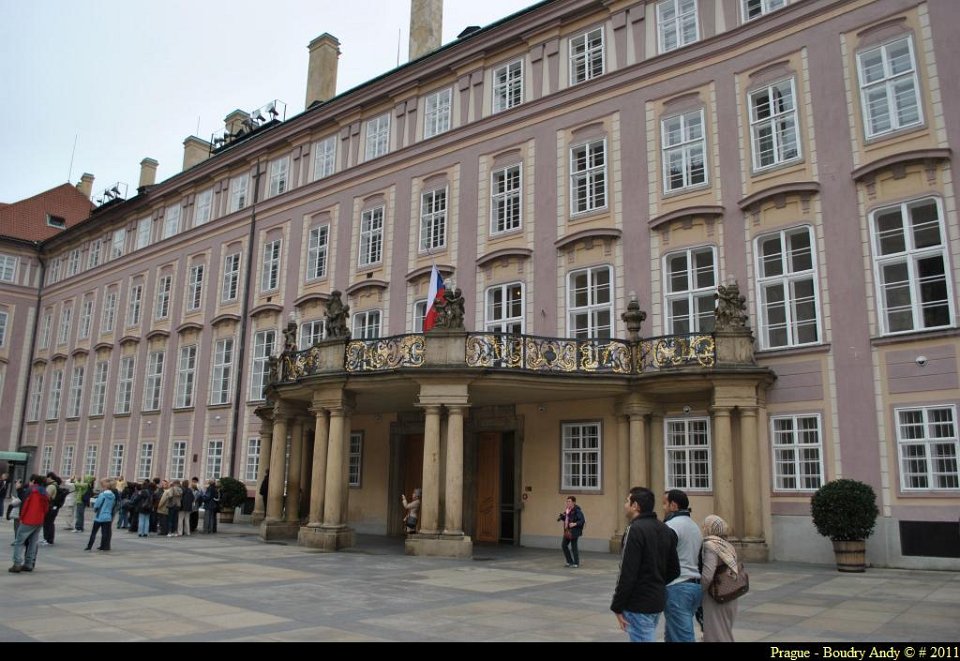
[{"x": 496, "y": 509}]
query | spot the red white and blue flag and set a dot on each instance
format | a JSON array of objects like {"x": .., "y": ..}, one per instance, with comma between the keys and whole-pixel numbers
[{"x": 434, "y": 294}]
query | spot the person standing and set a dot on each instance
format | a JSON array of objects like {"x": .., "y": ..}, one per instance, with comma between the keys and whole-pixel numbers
[
  {"x": 648, "y": 561},
  {"x": 56, "y": 494},
  {"x": 33, "y": 513},
  {"x": 717, "y": 551},
  {"x": 683, "y": 593},
  {"x": 70, "y": 504},
  {"x": 103, "y": 508},
  {"x": 84, "y": 494},
  {"x": 144, "y": 508},
  {"x": 573, "y": 521},
  {"x": 195, "y": 513},
  {"x": 182, "y": 526},
  {"x": 211, "y": 505},
  {"x": 412, "y": 509}
]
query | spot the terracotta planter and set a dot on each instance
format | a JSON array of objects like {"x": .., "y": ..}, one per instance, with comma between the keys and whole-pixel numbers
[
  {"x": 851, "y": 556},
  {"x": 226, "y": 516}
]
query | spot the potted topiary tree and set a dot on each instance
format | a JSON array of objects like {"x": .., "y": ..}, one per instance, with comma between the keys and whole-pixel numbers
[
  {"x": 846, "y": 512},
  {"x": 233, "y": 493}
]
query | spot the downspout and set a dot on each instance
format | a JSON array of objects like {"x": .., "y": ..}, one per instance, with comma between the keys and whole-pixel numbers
[
  {"x": 33, "y": 346},
  {"x": 244, "y": 321}
]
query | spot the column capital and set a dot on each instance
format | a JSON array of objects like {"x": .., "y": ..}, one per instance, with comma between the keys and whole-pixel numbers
[
  {"x": 748, "y": 410},
  {"x": 430, "y": 408},
  {"x": 459, "y": 408},
  {"x": 721, "y": 410},
  {"x": 316, "y": 410}
]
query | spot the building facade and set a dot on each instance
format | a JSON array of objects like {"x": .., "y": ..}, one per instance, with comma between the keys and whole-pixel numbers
[{"x": 554, "y": 166}]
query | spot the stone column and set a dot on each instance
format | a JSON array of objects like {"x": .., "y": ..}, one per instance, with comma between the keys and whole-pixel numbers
[
  {"x": 430, "y": 502},
  {"x": 623, "y": 468},
  {"x": 657, "y": 479},
  {"x": 638, "y": 452},
  {"x": 345, "y": 468},
  {"x": 453, "y": 512},
  {"x": 293, "y": 478},
  {"x": 749, "y": 475},
  {"x": 319, "y": 479},
  {"x": 333, "y": 494},
  {"x": 266, "y": 440},
  {"x": 723, "y": 493},
  {"x": 277, "y": 461}
]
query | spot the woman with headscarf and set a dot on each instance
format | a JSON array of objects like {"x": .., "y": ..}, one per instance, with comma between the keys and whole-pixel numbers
[{"x": 717, "y": 551}]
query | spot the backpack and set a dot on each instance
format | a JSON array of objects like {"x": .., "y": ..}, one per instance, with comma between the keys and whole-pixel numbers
[
  {"x": 60, "y": 497},
  {"x": 145, "y": 501}
]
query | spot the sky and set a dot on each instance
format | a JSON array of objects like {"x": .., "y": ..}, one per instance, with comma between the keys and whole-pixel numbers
[{"x": 111, "y": 82}]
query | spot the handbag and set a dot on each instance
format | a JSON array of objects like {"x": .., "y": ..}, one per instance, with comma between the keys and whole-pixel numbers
[
  {"x": 567, "y": 533},
  {"x": 727, "y": 587}
]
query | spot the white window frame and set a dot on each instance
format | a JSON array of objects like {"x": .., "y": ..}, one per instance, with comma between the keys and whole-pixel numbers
[
  {"x": 64, "y": 327},
  {"x": 680, "y": 145},
  {"x": 73, "y": 263},
  {"x": 793, "y": 454},
  {"x": 4, "y": 320},
  {"x": 687, "y": 454},
  {"x": 46, "y": 325},
  {"x": 696, "y": 296},
  {"x": 581, "y": 448},
  {"x": 325, "y": 158},
  {"x": 90, "y": 461},
  {"x": 419, "y": 315},
  {"x": 145, "y": 461},
  {"x": 109, "y": 316},
  {"x": 279, "y": 176},
  {"x": 213, "y": 460},
  {"x": 433, "y": 220},
  {"x": 161, "y": 308},
  {"x": 8, "y": 268},
  {"x": 592, "y": 308},
  {"x": 311, "y": 332},
  {"x": 134, "y": 305},
  {"x": 125, "y": 375},
  {"x": 195, "y": 288},
  {"x": 56, "y": 391},
  {"x": 888, "y": 85},
  {"x": 270, "y": 266},
  {"x": 506, "y": 199},
  {"x": 36, "y": 397},
  {"x": 585, "y": 53},
  {"x": 178, "y": 460},
  {"x": 377, "y": 141},
  {"x": 934, "y": 462},
  {"x": 186, "y": 376},
  {"x": 366, "y": 324},
  {"x": 86, "y": 320},
  {"x": 252, "y": 464},
  {"x": 66, "y": 461},
  {"x": 262, "y": 350},
  {"x": 672, "y": 25},
  {"x": 238, "y": 192},
  {"x": 153, "y": 384},
  {"x": 98, "y": 393},
  {"x": 504, "y": 322},
  {"x": 118, "y": 243},
  {"x": 779, "y": 123},
  {"x": 116, "y": 459},
  {"x": 355, "y": 460},
  {"x": 203, "y": 208},
  {"x": 788, "y": 280},
  {"x": 93, "y": 253},
  {"x": 231, "y": 278},
  {"x": 438, "y": 110},
  {"x": 171, "y": 221},
  {"x": 53, "y": 274},
  {"x": 76, "y": 392},
  {"x": 46, "y": 459},
  {"x": 764, "y": 6},
  {"x": 317, "y": 246},
  {"x": 588, "y": 177},
  {"x": 507, "y": 83},
  {"x": 371, "y": 237},
  {"x": 221, "y": 377},
  {"x": 144, "y": 232}
]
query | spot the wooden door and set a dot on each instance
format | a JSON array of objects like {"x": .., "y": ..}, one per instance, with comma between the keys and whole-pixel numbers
[
  {"x": 488, "y": 487},
  {"x": 412, "y": 475}
]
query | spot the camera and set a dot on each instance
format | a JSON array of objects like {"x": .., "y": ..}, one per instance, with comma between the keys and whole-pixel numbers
[{"x": 921, "y": 360}]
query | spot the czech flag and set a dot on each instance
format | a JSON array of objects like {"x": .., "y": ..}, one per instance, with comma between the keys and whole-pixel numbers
[{"x": 434, "y": 294}]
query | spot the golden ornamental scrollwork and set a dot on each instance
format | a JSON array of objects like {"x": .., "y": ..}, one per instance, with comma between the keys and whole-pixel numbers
[
  {"x": 384, "y": 354},
  {"x": 491, "y": 350},
  {"x": 677, "y": 351},
  {"x": 551, "y": 355},
  {"x": 606, "y": 356}
]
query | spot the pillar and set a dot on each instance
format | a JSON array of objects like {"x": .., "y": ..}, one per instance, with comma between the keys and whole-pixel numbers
[
  {"x": 658, "y": 480},
  {"x": 319, "y": 478},
  {"x": 453, "y": 512},
  {"x": 333, "y": 493},
  {"x": 724, "y": 505},
  {"x": 430, "y": 501},
  {"x": 638, "y": 452},
  {"x": 277, "y": 461},
  {"x": 293, "y": 478},
  {"x": 749, "y": 475},
  {"x": 266, "y": 440}
]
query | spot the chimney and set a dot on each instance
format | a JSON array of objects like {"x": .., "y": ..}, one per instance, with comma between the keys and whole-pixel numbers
[
  {"x": 426, "y": 27},
  {"x": 85, "y": 185},
  {"x": 234, "y": 121},
  {"x": 195, "y": 151},
  {"x": 148, "y": 173},
  {"x": 322, "y": 69}
]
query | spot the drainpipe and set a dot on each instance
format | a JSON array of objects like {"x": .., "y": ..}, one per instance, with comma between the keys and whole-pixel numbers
[
  {"x": 238, "y": 401},
  {"x": 33, "y": 346}
]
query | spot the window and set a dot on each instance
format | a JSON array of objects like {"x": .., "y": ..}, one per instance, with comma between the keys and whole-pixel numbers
[
  {"x": 324, "y": 158},
  {"x": 238, "y": 192},
  {"x": 253, "y": 460},
  {"x": 162, "y": 307},
  {"x": 356, "y": 456},
  {"x": 889, "y": 89},
  {"x": 378, "y": 137},
  {"x": 927, "y": 438},
  {"x": 73, "y": 264},
  {"x": 204, "y": 208},
  {"x": 231, "y": 277},
  {"x": 506, "y": 197},
  {"x": 99, "y": 392},
  {"x": 86, "y": 319},
  {"x": 773, "y": 125},
  {"x": 263, "y": 347},
  {"x": 436, "y": 117},
  {"x": 222, "y": 367},
  {"x": 581, "y": 456},
  {"x": 279, "y": 176},
  {"x": 688, "y": 454},
  {"x": 419, "y": 314},
  {"x": 93, "y": 256},
  {"x": 270, "y": 273},
  {"x": 118, "y": 244},
  {"x": 144, "y": 231},
  {"x": 145, "y": 465},
  {"x": 797, "y": 452},
  {"x": 116, "y": 461},
  {"x": 910, "y": 260},
  {"x": 56, "y": 387},
  {"x": 66, "y": 316},
  {"x": 787, "y": 286},
  {"x": 133, "y": 306},
  {"x": 56, "y": 221},
  {"x": 53, "y": 275},
  {"x": 508, "y": 86},
  {"x": 586, "y": 56},
  {"x": 178, "y": 460},
  {"x": 171, "y": 221},
  {"x": 45, "y": 324},
  {"x": 109, "y": 312},
  {"x": 125, "y": 385},
  {"x": 311, "y": 332},
  {"x": 66, "y": 465},
  {"x": 36, "y": 395},
  {"x": 504, "y": 309},
  {"x": 317, "y": 252},
  {"x": 588, "y": 175},
  {"x": 76, "y": 391},
  {"x": 691, "y": 283},
  {"x": 371, "y": 236},
  {"x": 589, "y": 303},
  {"x": 46, "y": 459},
  {"x": 90, "y": 463},
  {"x": 186, "y": 369},
  {"x": 684, "y": 145},
  {"x": 214, "y": 459},
  {"x": 152, "y": 391},
  {"x": 366, "y": 325},
  {"x": 433, "y": 220},
  {"x": 8, "y": 268},
  {"x": 755, "y": 8},
  {"x": 195, "y": 293},
  {"x": 3, "y": 328},
  {"x": 676, "y": 23}
]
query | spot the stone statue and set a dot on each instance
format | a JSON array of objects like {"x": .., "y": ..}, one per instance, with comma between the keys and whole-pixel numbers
[
  {"x": 731, "y": 308},
  {"x": 634, "y": 318},
  {"x": 290, "y": 337},
  {"x": 336, "y": 317},
  {"x": 273, "y": 370},
  {"x": 450, "y": 310}
]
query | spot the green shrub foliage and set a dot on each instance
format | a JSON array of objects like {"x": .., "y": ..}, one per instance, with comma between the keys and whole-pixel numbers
[
  {"x": 233, "y": 493},
  {"x": 844, "y": 510}
]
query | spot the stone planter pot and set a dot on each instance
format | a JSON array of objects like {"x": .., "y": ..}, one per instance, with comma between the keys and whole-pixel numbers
[
  {"x": 226, "y": 516},
  {"x": 851, "y": 556}
]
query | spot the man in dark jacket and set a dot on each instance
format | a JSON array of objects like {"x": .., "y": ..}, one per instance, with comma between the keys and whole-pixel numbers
[{"x": 648, "y": 562}]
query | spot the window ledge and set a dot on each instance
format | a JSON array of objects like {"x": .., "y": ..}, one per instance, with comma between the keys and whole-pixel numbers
[
  {"x": 121, "y": 415},
  {"x": 794, "y": 351},
  {"x": 884, "y": 340},
  {"x": 225, "y": 405},
  {"x": 870, "y": 170},
  {"x": 180, "y": 409},
  {"x": 95, "y": 416},
  {"x": 577, "y": 216},
  {"x": 929, "y": 493}
]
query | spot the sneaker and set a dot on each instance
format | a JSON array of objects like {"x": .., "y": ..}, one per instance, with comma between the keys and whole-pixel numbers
[
  {"x": 25, "y": 568},
  {"x": 44, "y": 542},
  {"x": 171, "y": 535},
  {"x": 16, "y": 569},
  {"x": 568, "y": 565},
  {"x": 574, "y": 566}
]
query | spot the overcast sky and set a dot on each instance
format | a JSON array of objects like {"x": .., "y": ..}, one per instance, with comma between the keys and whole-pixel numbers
[{"x": 130, "y": 79}]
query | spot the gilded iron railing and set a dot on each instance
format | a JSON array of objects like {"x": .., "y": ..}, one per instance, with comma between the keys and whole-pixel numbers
[
  {"x": 386, "y": 353},
  {"x": 295, "y": 365},
  {"x": 668, "y": 351}
]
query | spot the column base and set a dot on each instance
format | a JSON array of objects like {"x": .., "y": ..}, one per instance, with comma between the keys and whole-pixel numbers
[
  {"x": 616, "y": 543},
  {"x": 326, "y": 539},
  {"x": 271, "y": 530},
  {"x": 442, "y": 546},
  {"x": 257, "y": 518},
  {"x": 752, "y": 549}
]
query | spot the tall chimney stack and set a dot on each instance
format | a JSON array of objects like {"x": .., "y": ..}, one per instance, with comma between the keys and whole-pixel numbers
[
  {"x": 322, "y": 69},
  {"x": 148, "y": 173},
  {"x": 195, "y": 151},
  {"x": 85, "y": 185},
  {"x": 426, "y": 27}
]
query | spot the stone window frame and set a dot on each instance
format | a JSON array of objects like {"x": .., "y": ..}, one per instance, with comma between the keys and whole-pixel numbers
[
  {"x": 779, "y": 449},
  {"x": 672, "y": 451}
]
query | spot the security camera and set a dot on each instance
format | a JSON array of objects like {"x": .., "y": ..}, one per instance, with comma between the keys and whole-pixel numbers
[
  {"x": 687, "y": 410},
  {"x": 921, "y": 360}
]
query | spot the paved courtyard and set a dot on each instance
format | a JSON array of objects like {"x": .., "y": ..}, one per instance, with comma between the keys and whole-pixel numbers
[{"x": 232, "y": 587}]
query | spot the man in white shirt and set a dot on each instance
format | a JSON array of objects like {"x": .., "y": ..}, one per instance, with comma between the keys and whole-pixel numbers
[{"x": 683, "y": 593}]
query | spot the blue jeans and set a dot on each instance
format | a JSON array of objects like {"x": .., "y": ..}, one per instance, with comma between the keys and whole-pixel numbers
[
  {"x": 144, "y": 524},
  {"x": 641, "y": 627},
  {"x": 683, "y": 600},
  {"x": 78, "y": 519},
  {"x": 27, "y": 537}
]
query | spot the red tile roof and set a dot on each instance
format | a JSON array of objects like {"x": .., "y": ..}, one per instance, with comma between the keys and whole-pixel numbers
[{"x": 27, "y": 219}]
